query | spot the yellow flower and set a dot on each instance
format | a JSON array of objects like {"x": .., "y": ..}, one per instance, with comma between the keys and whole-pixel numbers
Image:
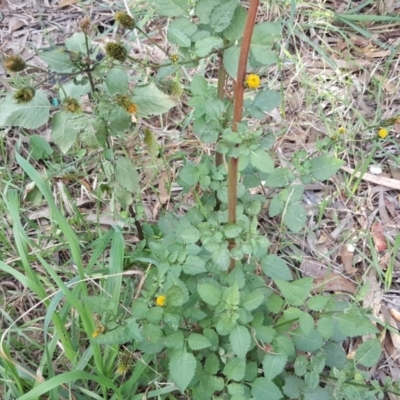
[
  {"x": 161, "y": 300},
  {"x": 341, "y": 130},
  {"x": 132, "y": 108},
  {"x": 253, "y": 81},
  {"x": 174, "y": 58},
  {"x": 100, "y": 329},
  {"x": 382, "y": 133}
]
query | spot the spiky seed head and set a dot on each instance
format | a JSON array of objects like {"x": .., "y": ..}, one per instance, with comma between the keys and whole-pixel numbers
[
  {"x": 24, "y": 95},
  {"x": 14, "y": 63},
  {"x": 71, "y": 105},
  {"x": 170, "y": 87},
  {"x": 125, "y": 20},
  {"x": 117, "y": 51}
]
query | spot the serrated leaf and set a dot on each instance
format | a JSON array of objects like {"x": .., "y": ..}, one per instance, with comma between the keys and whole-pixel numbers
[
  {"x": 240, "y": 340},
  {"x": 265, "y": 333},
  {"x": 123, "y": 334},
  {"x": 198, "y": 342},
  {"x": 116, "y": 81},
  {"x": 276, "y": 207},
  {"x": 119, "y": 120},
  {"x": 235, "y": 369},
  {"x": 280, "y": 177},
  {"x": 221, "y": 258},
  {"x": 235, "y": 30},
  {"x": 295, "y": 293},
  {"x": 63, "y": 133},
  {"x": 261, "y": 160},
  {"x": 306, "y": 323},
  {"x": 274, "y": 267},
  {"x": 29, "y": 115},
  {"x": 190, "y": 174},
  {"x": 273, "y": 365},
  {"x": 206, "y": 45},
  {"x": 335, "y": 355},
  {"x": 58, "y": 60},
  {"x": 194, "y": 265},
  {"x": 295, "y": 217},
  {"x": 323, "y": 167},
  {"x": 310, "y": 342},
  {"x": 175, "y": 296},
  {"x": 209, "y": 293},
  {"x": 368, "y": 353},
  {"x": 293, "y": 387},
  {"x": 353, "y": 324},
  {"x": 76, "y": 43},
  {"x": 174, "y": 341},
  {"x": 222, "y": 14},
  {"x": 151, "y": 100},
  {"x": 171, "y": 8},
  {"x": 318, "y": 302},
  {"x": 263, "y": 389},
  {"x": 126, "y": 175},
  {"x": 325, "y": 327},
  {"x": 265, "y": 101},
  {"x": 40, "y": 148},
  {"x": 182, "y": 367},
  {"x": 179, "y": 38},
  {"x": 252, "y": 300},
  {"x": 231, "y": 295},
  {"x": 231, "y": 61},
  {"x": 199, "y": 86},
  {"x": 186, "y": 232},
  {"x": 211, "y": 364}
]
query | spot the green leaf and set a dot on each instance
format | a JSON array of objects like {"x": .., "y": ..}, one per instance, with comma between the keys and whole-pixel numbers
[
  {"x": 310, "y": 342},
  {"x": 231, "y": 295},
  {"x": 263, "y": 389},
  {"x": 265, "y": 101},
  {"x": 182, "y": 367},
  {"x": 119, "y": 120},
  {"x": 221, "y": 258},
  {"x": 306, "y": 323},
  {"x": 253, "y": 299},
  {"x": 190, "y": 174},
  {"x": 222, "y": 14},
  {"x": 353, "y": 324},
  {"x": 76, "y": 43},
  {"x": 274, "y": 267},
  {"x": 199, "y": 86},
  {"x": 311, "y": 379},
  {"x": 186, "y": 232},
  {"x": 295, "y": 293},
  {"x": 174, "y": 341},
  {"x": 171, "y": 8},
  {"x": 281, "y": 177},
  {"x": 235, "y": 369},
  {"x": 266, "y": 33},
  {"x": 123, "y": 334},
  {"x": 151, "y": 143},
  {"x": 293, "y": 387},
  {"x": 211, "y": 364},
  {"x": 194, "y": 265},
  {"x": 198, "y": 342},
  {"x": 240, "y": 340},
  {"x": 175, "y": 296},
  {"x": 295, "y": 217},
  {"x": 29, "y": 115},
  {"x": 325, "y": 327},
  {"x": 116, "y": 81},
  {"x": 300, "y": 365},
  {"x": 40, "y": 148},
  {"x": 206, "y": 45},
  {"x": 323, "y": 167},
  {"x": 283, "y": 344},
  {"x": 231, "y": 61},
  {"x": 276, "y": 207},
  {"x": 151, "y": 100},
  {"x": 63, "y": 133},
  {"x": 318, "y": 302},
  {"x": 126, "y": 175},
  {"x": 180, "y": 31},
  {"x": 261, "y": 160},
  {"x": 58, "y": 60},
  {"x": 179, "y": 38},
  {"x": 273, "y": 365},
  {"x": 335, "y": 355},
  {"x": 368, "y": 353},
  {"x": 209, "y": 293},
  {"x": 265, "y": 333},
  {"x": 235, "y": 30}
]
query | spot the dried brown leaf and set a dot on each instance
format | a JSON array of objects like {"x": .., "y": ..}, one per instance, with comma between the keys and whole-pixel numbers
[{"x": 378, "y": 236}]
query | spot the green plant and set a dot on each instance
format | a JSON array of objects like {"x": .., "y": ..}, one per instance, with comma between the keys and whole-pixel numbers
[{"x": 216, "y": 313}]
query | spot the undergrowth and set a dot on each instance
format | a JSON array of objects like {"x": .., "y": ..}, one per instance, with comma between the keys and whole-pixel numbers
[{"x": 198, "y": 305}]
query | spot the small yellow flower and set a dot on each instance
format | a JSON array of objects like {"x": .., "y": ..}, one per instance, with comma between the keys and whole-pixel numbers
[
  {"x": 342, "y": 130},
  {"x": 253, "y": 81},
  {"x": 125, "y": 361},
  {"x": 382, "y": 133},
  {"x": 132, "y": 108},
  {"x": 174, "y": 58},
  {"x": 100, "y": 329},
  {"x": 161, "y": 300},
  {"x": 71, "y": 105}
]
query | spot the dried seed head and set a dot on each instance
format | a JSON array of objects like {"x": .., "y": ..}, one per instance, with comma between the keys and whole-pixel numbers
[
  {"x": 117, "y": 51},
  {"x": 71, "y": 105},
  {"x": 170, "y": 87},
  {"x": 84, "y": 25},
  {"x": 14, "y": 63},
  {"x": 24, "y": 95},
  {"x": 125, "y": 20}
]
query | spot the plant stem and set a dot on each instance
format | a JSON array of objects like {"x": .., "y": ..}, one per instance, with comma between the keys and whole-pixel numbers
[
  {"x": 237, "y": 117},
  {"x": 89, "y": 73}
]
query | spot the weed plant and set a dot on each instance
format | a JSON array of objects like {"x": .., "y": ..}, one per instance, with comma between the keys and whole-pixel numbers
[{"x": 199, "y": 307}]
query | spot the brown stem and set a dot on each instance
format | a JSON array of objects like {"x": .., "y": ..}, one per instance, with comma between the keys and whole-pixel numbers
[{"x": 237, "y": 116}]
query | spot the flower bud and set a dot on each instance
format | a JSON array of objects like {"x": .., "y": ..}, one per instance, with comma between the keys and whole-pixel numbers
[
  {"x": 71, "y": 105},
  {"x": 170, "y": 87}
]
